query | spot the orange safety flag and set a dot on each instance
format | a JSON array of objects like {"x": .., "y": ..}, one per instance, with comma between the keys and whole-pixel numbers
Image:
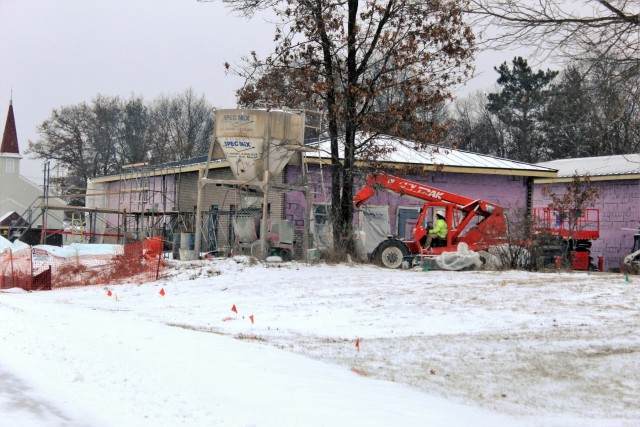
[
  {"x": 109, "y": 293},
  {"x": 234, "y": 309},
  {"x": 251, "y": 317},
  {"x": 358, "y": 344},
  {"x": 162, "y": 291}
]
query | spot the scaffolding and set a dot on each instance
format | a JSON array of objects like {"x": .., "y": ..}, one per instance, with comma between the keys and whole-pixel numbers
[
  {"x": 138, "y": 203},
  {"x": 319, "y": 217},
  {"x": 143, "y": 201}
]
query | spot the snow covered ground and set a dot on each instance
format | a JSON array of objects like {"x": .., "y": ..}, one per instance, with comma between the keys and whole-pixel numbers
[{"x": 435, "y": 348}]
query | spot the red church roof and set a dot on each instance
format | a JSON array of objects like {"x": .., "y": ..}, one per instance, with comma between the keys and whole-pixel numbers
[{"x": 10, "y": 136}]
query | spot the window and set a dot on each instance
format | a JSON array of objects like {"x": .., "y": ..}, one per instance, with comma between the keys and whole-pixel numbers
[
  {"x": 10, "y": 165},
  {"x": 322, "y": 231},
  {"x": 322, "y": 214},
  {"x": 406, "y": 222}
]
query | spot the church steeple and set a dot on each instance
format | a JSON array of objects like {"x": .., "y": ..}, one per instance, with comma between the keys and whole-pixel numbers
[{"x": 10, "y": 136}]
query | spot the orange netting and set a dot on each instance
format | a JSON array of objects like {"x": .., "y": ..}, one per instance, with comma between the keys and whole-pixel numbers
[
  {"x": 37, "y": 269},
  {"x": 15, "y": 269}
]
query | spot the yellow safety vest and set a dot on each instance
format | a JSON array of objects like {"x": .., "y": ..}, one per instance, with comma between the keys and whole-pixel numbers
[{"x": 440, "y": 229}]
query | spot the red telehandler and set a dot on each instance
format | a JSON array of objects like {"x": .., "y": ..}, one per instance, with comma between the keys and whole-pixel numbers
[{"x": 488, "y": 229}]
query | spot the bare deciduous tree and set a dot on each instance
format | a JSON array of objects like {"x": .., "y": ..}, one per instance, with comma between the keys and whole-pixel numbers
[
  {"x": 181, "y": 127},
  {"x": 104, "y": 134},
  {"x": 96, "y": 139},
  {"x": 135, "y": 138},
  {"x": 475, "y": 128},
  {"x": 65, "y": 137},
  {"x": 345, "y": 56},
  {"x": 582, "y": 30},
  {"x": 569, "y": 205}
]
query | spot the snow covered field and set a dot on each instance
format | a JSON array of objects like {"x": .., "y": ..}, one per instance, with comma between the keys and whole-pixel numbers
[{"x": 435, "y": 349}]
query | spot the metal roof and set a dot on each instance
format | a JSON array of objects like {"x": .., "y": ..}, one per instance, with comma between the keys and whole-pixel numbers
[
  {"x": 624, "y": 164},
  {"x": 402, "y": 151},
  {"x": 187, "y": 165},
  {"x": 180, "y": 163}
]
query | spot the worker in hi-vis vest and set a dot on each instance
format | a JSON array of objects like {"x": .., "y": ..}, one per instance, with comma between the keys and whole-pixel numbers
[{"x": 439, "y": 231}]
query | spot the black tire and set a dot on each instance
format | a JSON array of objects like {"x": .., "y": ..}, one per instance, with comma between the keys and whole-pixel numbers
[
  {"x": 390, "y": 253},
  {"x": 286, "y": 255}
]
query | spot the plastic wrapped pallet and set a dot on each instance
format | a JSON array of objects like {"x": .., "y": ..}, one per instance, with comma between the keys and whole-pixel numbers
[{"x": 461, "y": 259}]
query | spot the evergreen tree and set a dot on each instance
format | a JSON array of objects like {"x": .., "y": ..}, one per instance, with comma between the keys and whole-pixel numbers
[{"x": 520, "y": 105}]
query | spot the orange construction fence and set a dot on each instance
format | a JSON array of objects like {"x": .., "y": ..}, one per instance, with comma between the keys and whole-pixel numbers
[{"x": 36, "y": 269}]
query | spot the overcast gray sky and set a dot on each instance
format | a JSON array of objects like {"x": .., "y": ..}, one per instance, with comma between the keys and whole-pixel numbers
[{"x": 62, "y": 52}]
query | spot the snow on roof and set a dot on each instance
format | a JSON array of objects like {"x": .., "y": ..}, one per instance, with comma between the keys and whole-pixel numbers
[
  {"x": 403, "y": 152},
  {"x": 179, "y": 163},
  {"x": 624, "y": 164},
  {"x": 6, "y": 215},
  {"x": 159, "y": 169}
]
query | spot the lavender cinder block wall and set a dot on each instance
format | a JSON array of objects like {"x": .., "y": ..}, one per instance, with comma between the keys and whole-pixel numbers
[
  {"x": 121, "y": 197},
  {"x": 507, "y": 191},
  {"x": 619, "y": 207}
]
